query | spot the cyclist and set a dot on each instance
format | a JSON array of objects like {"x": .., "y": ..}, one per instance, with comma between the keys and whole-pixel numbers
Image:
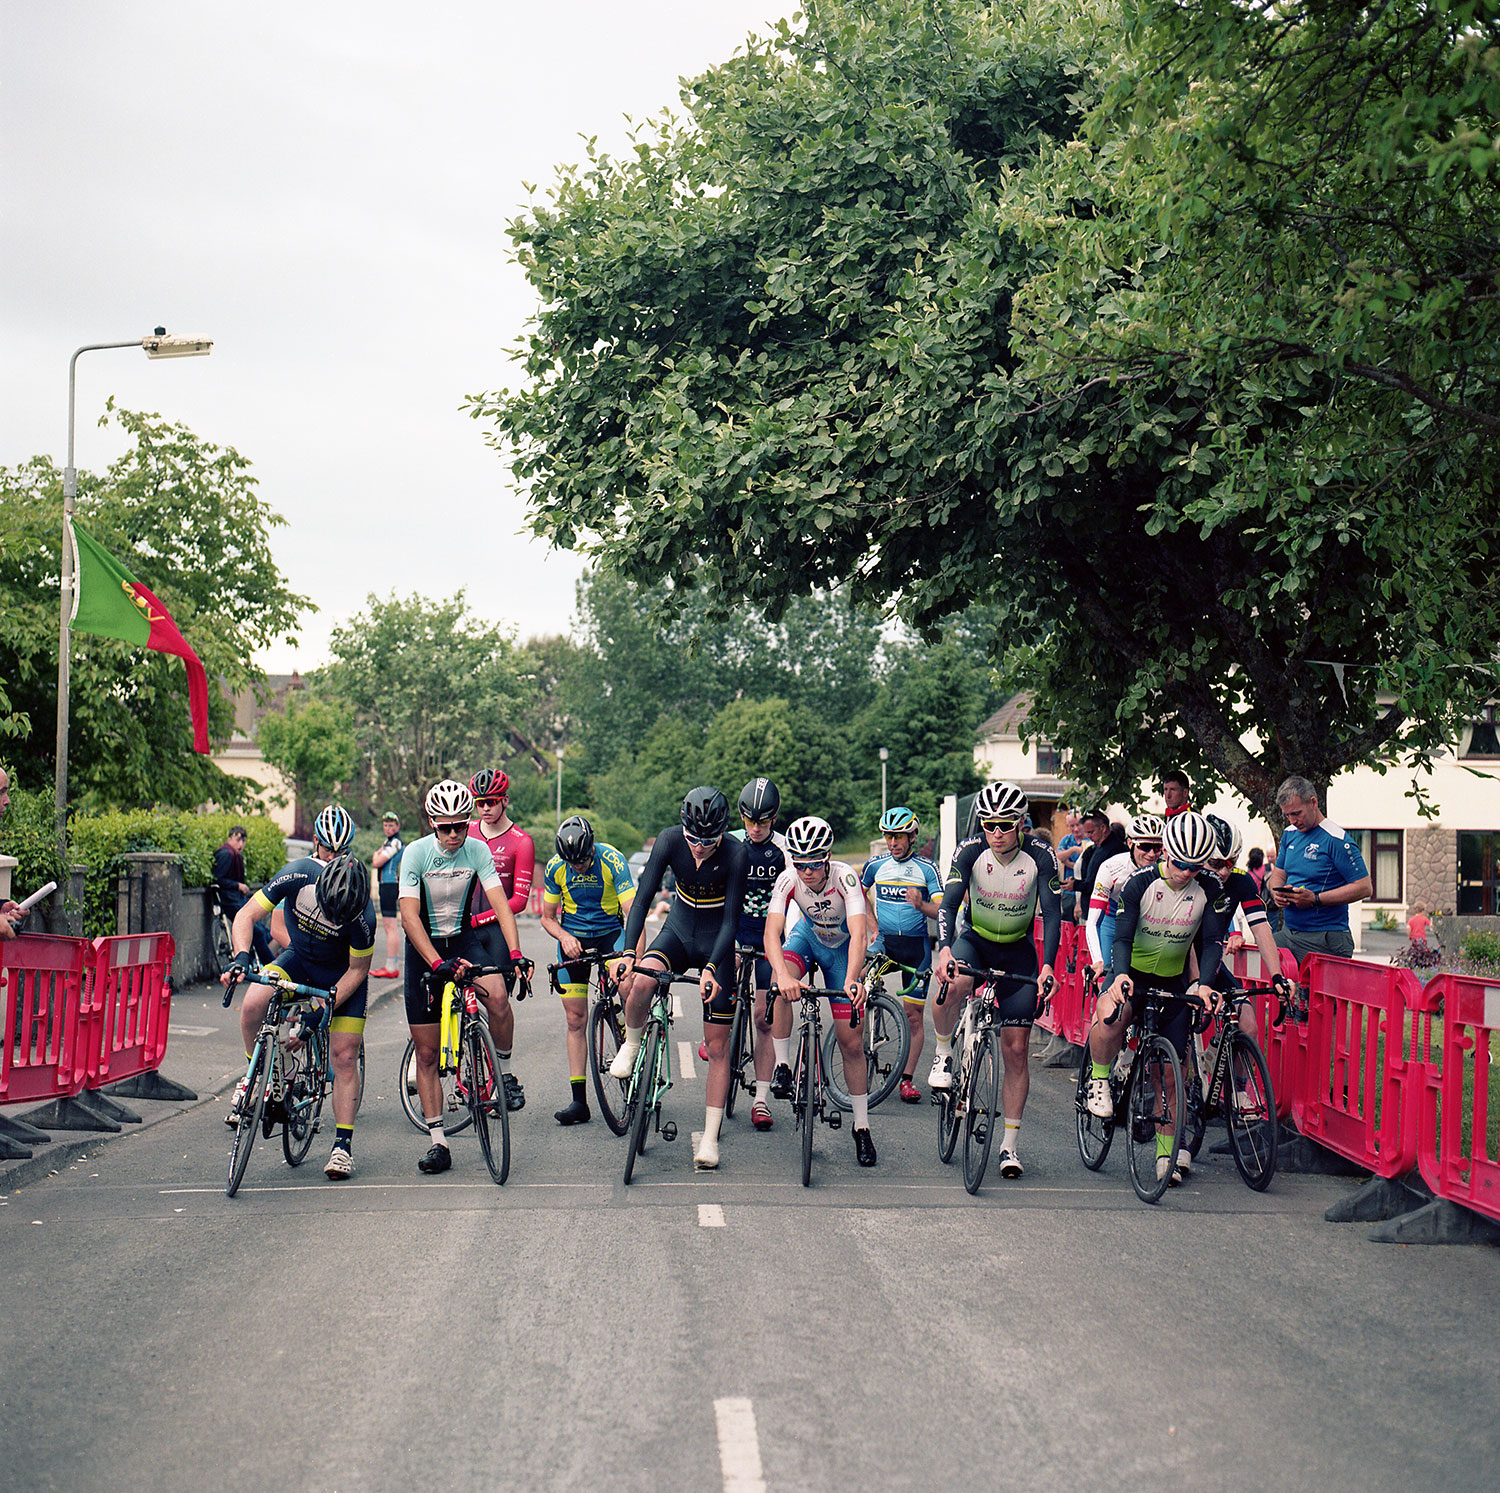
[
  {"x": 904, "y": 890},
  {"x": 333, "y": 833},
  {"x": 331, "y": 933},
  {"x": 514, "y": 854},
  {"x": 1144, "y": 839},
  {"x": 387, "y": 862},
  {"x": 438, "y": 873},
  {"x": 760, "y": 802},
  {"x": 831, "y": 934},
  {"x": 586, "y": 896},
  {"x": 698, "y": 933},
  {"x": 1163, "y": 910},
  {"x": 1008, "y": 877}
]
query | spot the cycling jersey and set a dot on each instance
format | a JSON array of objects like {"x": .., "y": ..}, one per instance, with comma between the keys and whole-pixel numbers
[
  {"x": 890, "y": 878},
  {"x": 391, "y": 870},
  {"x": 826, "y": 912},
  {"x": 705, "y": 908},
  {"x": 444, "y": 881},
  {"x": 589, "y": 895},
  {"x": 767, "y": 862},
  {"x": 1157, "y": 924},
  {"x": 1004, "y": 895},
  {"x": 514, "y": 854},
  {"x": 321, "y": 946},
  {"x": 1104, "y": 901},
  {"x": 1319, "y": 859}
]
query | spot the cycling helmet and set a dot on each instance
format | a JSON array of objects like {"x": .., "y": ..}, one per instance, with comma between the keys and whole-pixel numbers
[
  {"x": 575, "y": 840},
  {"x": 705, "y": 813},
  {"x": 899, "y": 822},
  {"x": 1145, "y": 827},
  {"x": 391, "y": 817},
  {"x": 490, "y": 782},
  {"x": 1231, "y": 841},
  {"x": 759, "y": 799},
  {"x": 809, "y": 838},
  {"x": 334, "y": 828},
  {"x": 449, "y": 801},
  {"x": 1189, "y": 839},
  {"x": 1001, "y": 801},
  {"x": 343, "y": 889}
]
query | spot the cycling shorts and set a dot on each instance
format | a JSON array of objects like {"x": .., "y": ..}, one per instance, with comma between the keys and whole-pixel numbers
[
  {"x": 574, "y": 978},
  {"x": 389, "y": 907},
  {"x": 1018, "y": 1002},
  {"x": 1177, "y": 1019},
  {"x": 803, "y": 949},
  {"x": 681, "y": 957},
  {"x": 496, "y": 949},
  {"x": 424, "y": 1007},
  {"x": 914, "y": 952},
  {"x": 350, "y": 1017}
]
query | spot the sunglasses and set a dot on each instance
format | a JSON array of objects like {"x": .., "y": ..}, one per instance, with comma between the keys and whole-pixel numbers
[
  {"x": 451, "y": 829},
  {"x": 695, "y": 840},
  {"x": 1000, "y": 824},
  {"x": 816, "y": 865},
  {"x": 486, "y": 803},
  {"x": 758, "y": 823},
  {"x": 1221, "y": 865},
  {"x": 1151, "y": 847},
  {"x": 1185, "y": 865}
]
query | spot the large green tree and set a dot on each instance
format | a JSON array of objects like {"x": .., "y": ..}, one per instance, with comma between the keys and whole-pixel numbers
[
  {"x": 185, "y": 516},
  {"x": 871, "y": 311},
  {"x": 311, "y": 741}
]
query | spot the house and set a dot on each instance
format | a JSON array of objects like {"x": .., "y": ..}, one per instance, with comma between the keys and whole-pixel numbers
[{"x": 241, "y": 756}]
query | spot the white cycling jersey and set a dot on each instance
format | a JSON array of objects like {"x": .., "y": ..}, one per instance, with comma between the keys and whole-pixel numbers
[
  {"x": 827, "y": 911},
  {"x": 1105, "y": 898}
]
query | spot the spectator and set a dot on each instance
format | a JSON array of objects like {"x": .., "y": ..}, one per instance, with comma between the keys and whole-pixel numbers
[
  {"x": 1256, "y": 867},
  {"x": 1105, "y": 839},
  {"x": 387, "y": 862},
  {"x": 1419, "y": 926},
  {"x": 234, "y": 891},
  {"x": 1068, "y": 850},
  {"x": 11, "y": 916},
  {"x": 1174, "y": 793},
  {"x": 1318, "y": 873}
]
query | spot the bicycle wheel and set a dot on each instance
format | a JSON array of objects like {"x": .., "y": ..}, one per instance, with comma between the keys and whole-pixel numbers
[
  {"x": 1156, "y": 1074},
  {"x": 1250, "y": 1112},
  {"x": 807, "y": 1055},
  {"x": 947, "y": 1108},
  {"x": 643, "y": 1094},
  {"x": 1095, "y": 1136},
  {"x": 1194, "y": 1118},
  {"x": 983, "y": 1111},
  {"x": 887, "y": 1039},
  {"x": 303, "y": 1102},
  {"x": 222, "y": 944},
  {"x": 359, "y": 1097},
  {"x": 456, "y": 1115},
  {"x": 251, "y": 1111},
  {"x": 606, "y": 1036},
  {"x": 741, "y": 1049},
  {"x": 486, "y": 1094}
]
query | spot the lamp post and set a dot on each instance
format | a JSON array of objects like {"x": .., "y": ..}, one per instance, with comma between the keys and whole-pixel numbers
[
  {"x": 559, "y": 785},
  {"x": 884, "y": 758},
  {"x": 158, "y": 345}
]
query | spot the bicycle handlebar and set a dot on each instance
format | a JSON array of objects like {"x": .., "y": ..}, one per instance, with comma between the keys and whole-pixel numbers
[
  {"x": 984, "y": 974},
  {"x": 281, "y": 983},
  {"x": 1156, "y": 993}
]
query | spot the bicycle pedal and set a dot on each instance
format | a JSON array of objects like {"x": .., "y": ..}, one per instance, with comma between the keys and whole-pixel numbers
[
  {"x": 835, "y": 1121},
  {"x": 669, "y": 1130}
]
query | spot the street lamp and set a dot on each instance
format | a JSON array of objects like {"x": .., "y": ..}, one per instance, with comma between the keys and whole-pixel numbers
[
  {"x": 160, "y": 344},
  {"x": 559, "y": 785},
  {"x": 884, "y": 758}
]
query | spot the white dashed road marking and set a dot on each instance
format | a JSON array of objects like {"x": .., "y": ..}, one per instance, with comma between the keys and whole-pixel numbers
[
  {"x": 710, "y": 1216},
  {"x": 685, "y": 1058},
  {"x": 739, "y": 1447}
]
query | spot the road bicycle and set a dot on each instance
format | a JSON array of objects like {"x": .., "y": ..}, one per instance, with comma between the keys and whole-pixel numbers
[
  {"x": 651, "y": 1076},
  {"x": 467, "y": 1051},
  {"x": 1145, "y": 1087},
  {"x": 606, "y": 1034},
  {"x": 1238, "y": 1086},
  {"x": 288, "y": 1072},
  {"x": 972, "y": 1102},
  {"x": 810, "y": 1090},
  {"x": 742, "y": 1029},
  {"x": 884, "y": 1030},
  {"x": 220, "y": 931},
  {"x": 455, "y": 1106}
]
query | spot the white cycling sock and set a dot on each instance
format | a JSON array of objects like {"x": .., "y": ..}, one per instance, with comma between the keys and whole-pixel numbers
[
  {"x": 944, "y": 1045},
  {"x": 782, "y": 1047},
  {"x": 633, "y": 1035},
  {"x": 435, "y": 1132},
  {"x": 713, "y": 1117},
  {"x": 861, "y": 1103},
  {"x": 1012, "y": 1132},
  {"x": 504, "y": 1060},
  {"x": 762, "y": 1091}
]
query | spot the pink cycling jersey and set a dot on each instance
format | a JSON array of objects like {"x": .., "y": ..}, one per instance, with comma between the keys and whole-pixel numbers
[{"x": 515, "y": 861}]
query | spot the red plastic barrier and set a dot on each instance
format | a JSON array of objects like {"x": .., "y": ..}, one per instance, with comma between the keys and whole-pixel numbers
[
  {"x": 127, "y": 1005},
  {"x": 41, "y": 997},
  {"x": 1358, "y": 1091},
  {"x": 534, "y": 901},
  {"x": 1462, "y": 1173},
  {"x": 1048, "y": 1020}
]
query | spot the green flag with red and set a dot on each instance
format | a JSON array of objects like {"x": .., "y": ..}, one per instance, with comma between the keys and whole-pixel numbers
[{"x": 108, "y": 600}]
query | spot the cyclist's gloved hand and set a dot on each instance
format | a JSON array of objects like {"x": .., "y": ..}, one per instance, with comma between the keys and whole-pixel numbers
[
  {"x": 442, "y": 973},
  {"x": 313, "y": 1017}
]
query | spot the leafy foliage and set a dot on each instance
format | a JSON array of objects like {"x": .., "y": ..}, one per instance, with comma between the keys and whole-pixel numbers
[{"x": 313, "y": 745}]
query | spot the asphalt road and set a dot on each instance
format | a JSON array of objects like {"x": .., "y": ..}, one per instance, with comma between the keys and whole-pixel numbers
[{"x": 727, "y": 1330}]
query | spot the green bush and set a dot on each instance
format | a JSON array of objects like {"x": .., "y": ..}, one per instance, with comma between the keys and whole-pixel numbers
[
  {"x": 26, "y": 833},
  {"x": 1479, "y": 947}
]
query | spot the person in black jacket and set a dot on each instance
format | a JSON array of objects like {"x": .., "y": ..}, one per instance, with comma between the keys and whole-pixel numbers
[
  {"x": 1108, "y": 839},
  {"x": 229, "y": 878}
]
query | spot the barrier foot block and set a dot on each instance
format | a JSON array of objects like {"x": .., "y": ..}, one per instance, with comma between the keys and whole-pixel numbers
[
  {"x": 11, "y": 1150},
  {"x": 76, "y": 1113},
  {"x": 1296, "y": 1155},
  {"x": 19, "y": 1130},
  {"x": 1380, "y": 1198},
  {"x": 107, "y": 1106},
  {"x": 150, "y": 1085},
  {"x": 1061, "y": 1054},
  {"x": 1437, "y": 1222}
]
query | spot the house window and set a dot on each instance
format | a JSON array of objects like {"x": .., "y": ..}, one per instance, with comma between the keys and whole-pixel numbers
[
  {"x": 1381, "y": 849},
  {"x": 1481, "y": 737},
  {"x": 1479, "y": 872},
  {"x": 1048, "y": 759}
]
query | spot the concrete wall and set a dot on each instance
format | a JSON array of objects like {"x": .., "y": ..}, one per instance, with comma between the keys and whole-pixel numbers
[{"x": 150, "y": 898}]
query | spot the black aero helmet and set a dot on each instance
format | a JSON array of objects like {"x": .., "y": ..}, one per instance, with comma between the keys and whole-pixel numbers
[
  {"x": 343, "y": 888},
  {"x": 760, "y": 799},
  {"x": 705, "y": 813},
  {"x": 575, "y": 840}
]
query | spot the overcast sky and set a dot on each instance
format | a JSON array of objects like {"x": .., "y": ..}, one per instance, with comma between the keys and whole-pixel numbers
[{"x": 323, "y": 189}]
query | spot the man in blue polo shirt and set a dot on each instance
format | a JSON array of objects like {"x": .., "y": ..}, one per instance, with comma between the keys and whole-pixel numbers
[{"x": 1318, "y": 873}]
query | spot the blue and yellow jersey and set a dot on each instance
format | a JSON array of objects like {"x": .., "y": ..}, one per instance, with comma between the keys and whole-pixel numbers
[{"x": 594, "y": 899}]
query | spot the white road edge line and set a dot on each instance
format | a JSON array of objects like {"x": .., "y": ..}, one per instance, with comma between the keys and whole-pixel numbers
[
  {"x": 739, "y": 1447},
  {"x": 710, "y": 1216},
  {"x": 685, "y": 1059},
  {"x": 676, "y": 1005}
]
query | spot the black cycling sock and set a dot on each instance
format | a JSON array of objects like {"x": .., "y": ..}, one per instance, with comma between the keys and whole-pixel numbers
[
  {"x": 579, "y": 1086},
  {"x": 343, "y": 1135}
]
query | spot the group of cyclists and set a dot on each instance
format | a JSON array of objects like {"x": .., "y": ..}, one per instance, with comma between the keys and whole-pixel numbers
[{"x": 1158, "y": 916}]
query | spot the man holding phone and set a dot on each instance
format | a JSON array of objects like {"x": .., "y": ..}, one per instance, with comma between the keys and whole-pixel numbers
[{"x": 1318, "y": 873}]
